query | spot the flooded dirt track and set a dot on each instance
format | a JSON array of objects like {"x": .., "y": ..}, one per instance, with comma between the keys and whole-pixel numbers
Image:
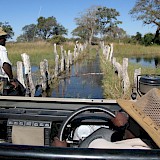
[{"x": 83, "y": 81}]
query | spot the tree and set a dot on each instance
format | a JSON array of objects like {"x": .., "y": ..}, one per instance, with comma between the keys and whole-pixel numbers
[
  {"x": 96, "y": 20},
  {"x": 115, "y": 32},
  {"x": 8, "y": 29},
  {"x": 21, "y": 38},
  {"x": 29, "y": 32},
  {"x": 87, "y": 21},
  {"x": 81, "y": 32},
  {"x": 149, "y": 12},
  {"x": 47, "y": 27},
  {"x": 107, "y": 20},
  {"x": 59, "y": 30},
  {"x": 137, "y": 38},
  {"x": 58, "y": 39},
  {"x": 148, "y": 39}
]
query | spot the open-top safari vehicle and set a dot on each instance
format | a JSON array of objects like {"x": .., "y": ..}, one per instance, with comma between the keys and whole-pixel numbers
[{"x": 28, "y": 125}]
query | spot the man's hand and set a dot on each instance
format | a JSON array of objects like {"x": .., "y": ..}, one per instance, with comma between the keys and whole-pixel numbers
[
  {"x": 120, "y": 120},
  {"x": 14, "y": 84},
  {"x": 57, "y": 143}
]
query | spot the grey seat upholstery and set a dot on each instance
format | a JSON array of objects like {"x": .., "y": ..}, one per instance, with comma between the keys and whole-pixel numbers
[{"x": 102, "y": 132}]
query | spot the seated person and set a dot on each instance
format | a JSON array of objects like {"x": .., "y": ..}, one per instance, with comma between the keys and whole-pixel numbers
[{"x": 142, "y": 114}]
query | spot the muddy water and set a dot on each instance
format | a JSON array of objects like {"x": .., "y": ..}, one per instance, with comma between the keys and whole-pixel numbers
[{"x": 83, "y": 81}]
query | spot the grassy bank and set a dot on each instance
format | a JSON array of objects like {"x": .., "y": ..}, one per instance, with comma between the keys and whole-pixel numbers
[
  {"x": 37, "y": 51},
  {"x": 128, "y": 50},
  {"x": 111, "y": 83}
]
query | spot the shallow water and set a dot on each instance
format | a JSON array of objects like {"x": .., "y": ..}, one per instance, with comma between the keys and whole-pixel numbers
[
  {"x": 83, "y": 81},
  {"x": 152, "y": 62}
]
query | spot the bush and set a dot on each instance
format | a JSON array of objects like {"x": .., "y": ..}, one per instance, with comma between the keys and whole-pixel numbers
[
  {"x": 58, "y": 39},
  {"x": 148, "y": 39}
]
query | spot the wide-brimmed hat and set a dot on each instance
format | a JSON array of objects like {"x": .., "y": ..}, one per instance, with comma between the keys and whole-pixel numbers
[
  {"x": 2, "y": 32},
  {"x": 146, "y": 112}
]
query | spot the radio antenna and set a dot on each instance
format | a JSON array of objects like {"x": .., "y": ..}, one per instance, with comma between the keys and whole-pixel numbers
[{"x": 36, "y": 24}]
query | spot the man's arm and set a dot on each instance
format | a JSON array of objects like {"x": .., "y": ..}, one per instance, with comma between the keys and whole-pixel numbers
[{"x": 8, "y": 70}]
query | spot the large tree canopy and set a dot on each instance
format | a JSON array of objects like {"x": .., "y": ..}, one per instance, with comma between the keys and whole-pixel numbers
[
  {"x": 147, "y": 11},
  {"x": 47, "y": 27},
  {"x": 8, "y": 29},
  {"x": 87, "y": 25},
  {"x": 96, "y": 20},
  {"x": 107, "y": 20},
  {"x": 29, "y": 32}
]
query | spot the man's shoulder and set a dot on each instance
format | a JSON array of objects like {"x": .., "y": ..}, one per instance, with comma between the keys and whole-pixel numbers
[{"x": 2, "y": 48}]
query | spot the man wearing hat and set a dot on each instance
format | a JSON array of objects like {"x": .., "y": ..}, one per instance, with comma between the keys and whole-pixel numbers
[
  {"x": 7, "y": 80},
  {"x": 145, "y": 112}
]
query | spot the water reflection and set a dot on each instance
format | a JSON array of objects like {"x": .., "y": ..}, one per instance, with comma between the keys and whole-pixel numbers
[
  {"x": 153, "y": 62},
  {"x": 83, "y": 81}
]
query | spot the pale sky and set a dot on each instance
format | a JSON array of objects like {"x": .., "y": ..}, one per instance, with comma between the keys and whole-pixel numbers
[{"x": 25, "y": 12}]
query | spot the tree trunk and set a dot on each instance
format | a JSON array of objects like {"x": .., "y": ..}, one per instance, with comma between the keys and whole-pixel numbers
[
  {"x": 91, "y": 36},
  {"x": 156, "y": 37}
]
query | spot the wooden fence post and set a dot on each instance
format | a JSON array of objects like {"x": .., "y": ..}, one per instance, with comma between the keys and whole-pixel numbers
[
  {"x": 136, "y": 73},
  {"x": 45, "y": 74},
  {"x": 126, "y": 82},
  {"x": 20, "y": 76},
  {"x": 70, "y": 57},
  {"x": 111, "y": 52},
  {"x": 117, "y": 67},
  {"x": 56, "y": 66},
  {"x": 62, "y": 60},
  {"x": 27, "y": 66},
  {"x": 107, "y": 48},
  {"x": 55, "y": 49},
  {"x": 75, "y": 53},
  {"x": 113, "y": 61},
  {"x": 68, "y": 60}
]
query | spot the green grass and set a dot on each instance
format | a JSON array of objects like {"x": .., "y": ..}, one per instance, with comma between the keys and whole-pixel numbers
[
  {"x": 111, "y": 83},
  {"x": 39, "y": 51},
  {"x": 128, "y": 50},
  {"x": 36, "y": 51}
]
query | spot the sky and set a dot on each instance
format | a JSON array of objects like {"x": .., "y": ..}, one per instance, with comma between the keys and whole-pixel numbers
[{"x": 25, "y": 12}]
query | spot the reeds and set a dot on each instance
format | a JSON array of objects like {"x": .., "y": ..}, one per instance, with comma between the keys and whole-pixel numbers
[
  {"x": 128, "y": 50},
  {"x": 112, "y": 85}
]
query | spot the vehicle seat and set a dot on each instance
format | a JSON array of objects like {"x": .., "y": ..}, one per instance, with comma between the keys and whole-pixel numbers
[{"x": 102, "y": 132}]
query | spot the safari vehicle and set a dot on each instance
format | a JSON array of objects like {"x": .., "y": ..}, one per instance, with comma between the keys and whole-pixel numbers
[{"x": 29, "y": 124}]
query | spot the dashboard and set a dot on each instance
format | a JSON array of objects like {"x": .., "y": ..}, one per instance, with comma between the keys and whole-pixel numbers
[{"x": 47, "y": 117}]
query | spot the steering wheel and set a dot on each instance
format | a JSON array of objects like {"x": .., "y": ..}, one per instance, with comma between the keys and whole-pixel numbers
[{"x": 78, "y": 112}]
